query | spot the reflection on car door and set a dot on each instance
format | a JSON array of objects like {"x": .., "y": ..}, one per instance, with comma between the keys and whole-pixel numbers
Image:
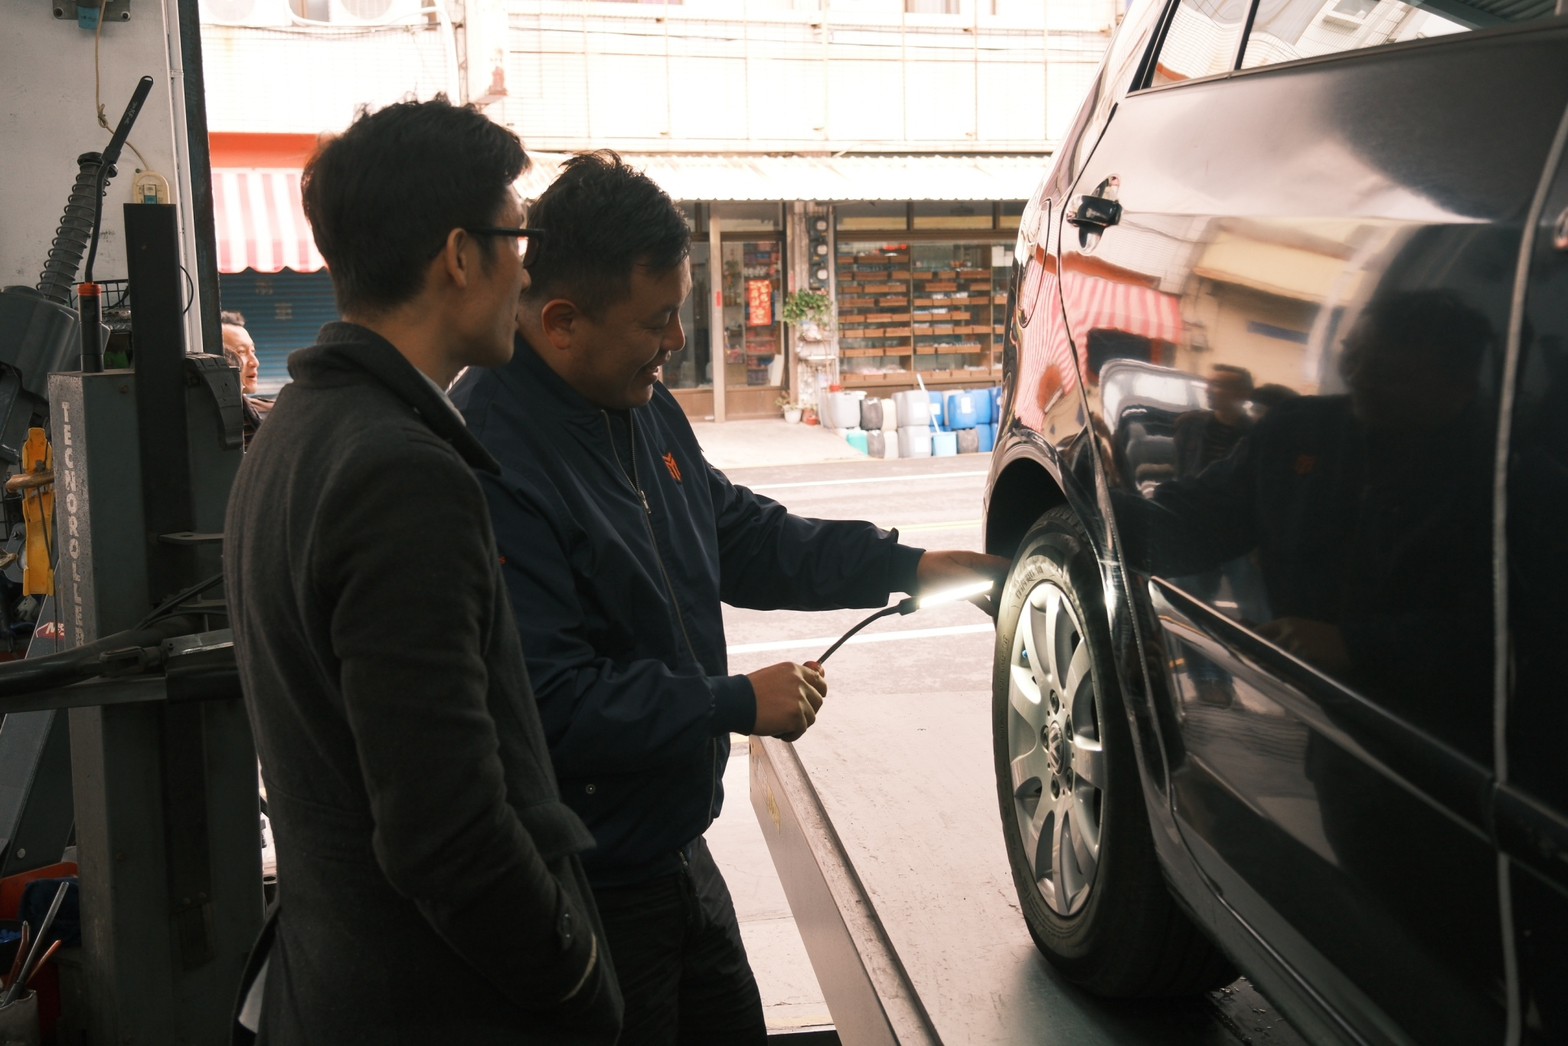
[{"x": 1315, "y": 537}]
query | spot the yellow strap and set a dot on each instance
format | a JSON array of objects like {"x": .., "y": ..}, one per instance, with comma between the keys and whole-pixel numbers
[{"x": 38, "y": 513}]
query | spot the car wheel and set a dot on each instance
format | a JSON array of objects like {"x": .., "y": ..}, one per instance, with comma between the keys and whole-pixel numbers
[{"x": 1072, "y": 805}]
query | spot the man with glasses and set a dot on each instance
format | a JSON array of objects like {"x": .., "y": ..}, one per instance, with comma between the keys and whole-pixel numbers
[
  {"x": 619, "y": 544},
  {"x": 428, "y": 883}
]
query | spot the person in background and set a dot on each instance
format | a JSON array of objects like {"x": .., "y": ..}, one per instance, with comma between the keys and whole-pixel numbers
[
  {"x": 240, "y": 351},
  {"x": 619, "y": 544},
  {"x": 1203, "y": 437},
  {"x": 429, "y": 888}
]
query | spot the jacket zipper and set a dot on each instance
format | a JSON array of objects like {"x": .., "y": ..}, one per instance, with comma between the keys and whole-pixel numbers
[{"x": 653, "y": 539}]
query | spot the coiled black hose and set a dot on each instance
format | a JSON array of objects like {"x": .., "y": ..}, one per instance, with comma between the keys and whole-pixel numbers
[{"x": 76, "y": 228}]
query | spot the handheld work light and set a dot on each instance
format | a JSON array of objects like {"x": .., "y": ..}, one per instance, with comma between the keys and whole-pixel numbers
[{"x": 912, "y": 604}]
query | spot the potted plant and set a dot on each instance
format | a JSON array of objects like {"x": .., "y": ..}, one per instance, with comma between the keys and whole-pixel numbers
[
  {"x": 808, "y": 312},
  {"x": 791, "y": 409}
]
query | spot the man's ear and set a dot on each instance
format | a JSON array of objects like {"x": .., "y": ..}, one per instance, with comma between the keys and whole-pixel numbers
[
  {"x": 455, "y": 260},
  {"x": 558, "y": 320}
]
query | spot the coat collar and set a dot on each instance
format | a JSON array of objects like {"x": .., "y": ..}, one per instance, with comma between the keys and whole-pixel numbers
[
  {"x": 346, "y": 351},
  {"x": 527, "y": 372}
]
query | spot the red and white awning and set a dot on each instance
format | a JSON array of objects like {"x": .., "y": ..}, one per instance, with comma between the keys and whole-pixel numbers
[
  {"x": 1095, "y": 303},
  {"x": 261, "y": 223}
]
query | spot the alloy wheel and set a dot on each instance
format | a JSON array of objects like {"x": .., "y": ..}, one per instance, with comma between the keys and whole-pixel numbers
[{"x": 1054, "y": 744}]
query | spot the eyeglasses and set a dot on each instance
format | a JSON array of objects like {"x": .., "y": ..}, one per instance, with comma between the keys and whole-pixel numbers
[{"x": 528, "y": 240}]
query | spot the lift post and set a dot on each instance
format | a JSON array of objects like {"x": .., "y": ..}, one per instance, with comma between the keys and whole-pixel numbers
[{"x": 164, "y": 775}]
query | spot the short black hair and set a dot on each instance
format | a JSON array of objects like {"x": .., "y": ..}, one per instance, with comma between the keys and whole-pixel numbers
[
  {"x": 1230, "y": 370},
  {"x": 1452, "y": 335},
  {"x": 603, "y": 218},
  {"x": 382, "y": 196},
  {"x": 1272, "y": 395},
  {"x": 231, "y": 318}
]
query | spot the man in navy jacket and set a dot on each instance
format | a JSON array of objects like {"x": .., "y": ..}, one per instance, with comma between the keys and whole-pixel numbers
[{"x": 619, "y": 544}]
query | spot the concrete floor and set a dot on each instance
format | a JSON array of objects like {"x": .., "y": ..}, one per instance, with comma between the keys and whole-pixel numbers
[{"x": 791, "y": 998}]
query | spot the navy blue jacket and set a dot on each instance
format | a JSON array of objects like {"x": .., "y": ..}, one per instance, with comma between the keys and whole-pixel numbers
[{"x": 616, "y": 577}]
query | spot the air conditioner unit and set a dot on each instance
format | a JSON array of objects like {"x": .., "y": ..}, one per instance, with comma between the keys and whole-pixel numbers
[
  {"x": 257, "y": 13},
  {"x": 376, "y": 12}
]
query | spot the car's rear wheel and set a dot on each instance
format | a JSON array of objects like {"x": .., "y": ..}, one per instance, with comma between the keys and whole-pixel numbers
[{"x": 1072, "y": 807}]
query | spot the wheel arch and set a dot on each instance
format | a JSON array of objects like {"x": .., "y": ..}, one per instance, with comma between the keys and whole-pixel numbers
[{"x": 1022, "y": 492}]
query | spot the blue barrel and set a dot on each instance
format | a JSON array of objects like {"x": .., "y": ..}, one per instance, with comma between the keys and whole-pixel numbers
[
  {"x": 996, "y": 405},
  {"x": 964, "y": 410},
  {"x": 938, "y": 415},
  {"x": 987, "y": 437},
  {"x": 944, "y": 444},
  {"x": 856, "y": 438}
]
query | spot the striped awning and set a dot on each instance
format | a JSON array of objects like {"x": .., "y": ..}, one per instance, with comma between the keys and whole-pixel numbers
[
  {"x": 260, "y": 222},
  {"x": 1095, "y": 303}
]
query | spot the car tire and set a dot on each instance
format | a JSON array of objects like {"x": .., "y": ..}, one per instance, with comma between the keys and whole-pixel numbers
[{"x": 1072, "y": 806}]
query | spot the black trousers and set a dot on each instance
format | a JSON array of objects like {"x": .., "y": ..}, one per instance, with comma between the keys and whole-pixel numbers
[{"x": 680, "y": 961}]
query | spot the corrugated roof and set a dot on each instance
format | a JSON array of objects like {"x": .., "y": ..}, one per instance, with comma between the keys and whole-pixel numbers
[{"x": 767, "y": 177}]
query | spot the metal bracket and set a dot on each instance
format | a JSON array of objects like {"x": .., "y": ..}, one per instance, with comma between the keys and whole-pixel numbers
[{"x": 86, "y": 15}]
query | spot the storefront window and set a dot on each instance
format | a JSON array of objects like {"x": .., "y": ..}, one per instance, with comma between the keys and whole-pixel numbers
[
  {"x": 935, "y": 307},
  {"x": 877, "y": 214},
  {"x": 946, "y": 214},
  {"x": 693, "y": 367},
  {"x": 1011, "y": 211},
  {"x": 874, "y": 321},
  {"x": 752, "y": 333}
]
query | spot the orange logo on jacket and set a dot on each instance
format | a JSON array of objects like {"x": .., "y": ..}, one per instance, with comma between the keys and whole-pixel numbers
[{"x": 675, "y": 469}]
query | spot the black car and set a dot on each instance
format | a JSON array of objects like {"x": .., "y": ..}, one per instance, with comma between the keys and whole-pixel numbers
[{"x": 1284, "y": 478}]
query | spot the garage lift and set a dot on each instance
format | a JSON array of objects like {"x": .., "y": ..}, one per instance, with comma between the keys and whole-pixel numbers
[{"x": 123, "y": 732}]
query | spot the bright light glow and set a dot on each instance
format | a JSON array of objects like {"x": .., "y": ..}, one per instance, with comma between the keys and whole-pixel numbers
[{"x": 954, "y": 594}]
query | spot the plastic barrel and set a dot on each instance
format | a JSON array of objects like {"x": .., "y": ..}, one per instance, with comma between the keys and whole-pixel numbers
[
  {"x": 914, "y": 409},
  {"x": 890, "y": 419},
  {"x": 843, "y": 410},
  {"x": 870, "y": 414},
  {"x": 876, "y": 443},
  {"x": 968, "y": 441},
  {"x": 914, "y": 441},
  {"x": 996, "y": 405},
  {"x": 857, "y": 439},
  {"x": 944, "y": 444},
  {"x": 987, "y": 438},
  {"x": 963, "y": 410}
]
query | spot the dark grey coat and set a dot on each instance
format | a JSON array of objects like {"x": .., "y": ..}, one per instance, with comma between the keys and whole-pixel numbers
[{"x": 427, "y": 875}]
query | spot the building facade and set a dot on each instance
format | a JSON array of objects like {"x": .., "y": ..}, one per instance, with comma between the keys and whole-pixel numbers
[{"x": 875, "y": 150}]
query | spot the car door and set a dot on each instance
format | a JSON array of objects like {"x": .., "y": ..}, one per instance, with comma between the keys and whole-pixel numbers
[
  {"x": 1532, "y": 798},
  {"x": 1314, "y": 210}
]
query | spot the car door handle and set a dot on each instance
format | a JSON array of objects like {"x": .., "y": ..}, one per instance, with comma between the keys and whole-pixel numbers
[{"x": 1094, "y": 212}]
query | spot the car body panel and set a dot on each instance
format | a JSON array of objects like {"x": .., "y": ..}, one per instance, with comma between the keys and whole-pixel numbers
[{"x": 1327, "y": 812}]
